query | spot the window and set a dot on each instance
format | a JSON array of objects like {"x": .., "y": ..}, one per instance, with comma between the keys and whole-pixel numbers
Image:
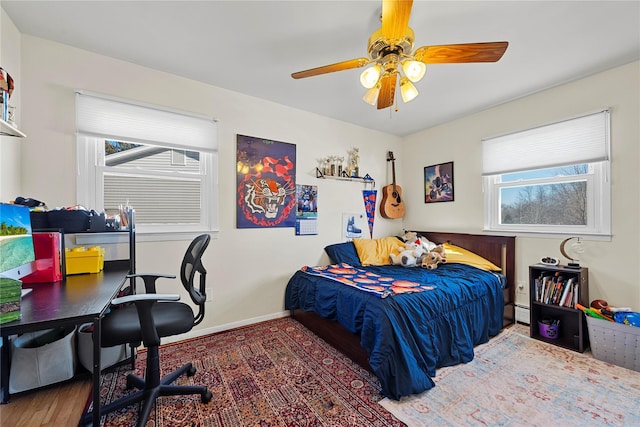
[
  {"x": 551, "y": 179},
  {"x": 162, "y": 163}
]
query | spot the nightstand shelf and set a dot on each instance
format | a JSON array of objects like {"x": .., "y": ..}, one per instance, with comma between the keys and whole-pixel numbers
[{"x": 572, "y": 329}]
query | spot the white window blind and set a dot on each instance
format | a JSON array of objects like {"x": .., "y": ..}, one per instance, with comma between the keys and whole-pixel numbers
[
  {"x": 583, "y": 139},
  {"x": 120, "y": 119},
  {"x": 162, "y": 162}
]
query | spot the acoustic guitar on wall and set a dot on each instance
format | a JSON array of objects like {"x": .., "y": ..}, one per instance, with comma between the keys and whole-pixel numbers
[{"x": 392, "y": 205}]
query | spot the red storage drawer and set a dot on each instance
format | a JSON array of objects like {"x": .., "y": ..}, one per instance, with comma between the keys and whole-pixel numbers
[{"x": 47, "y": 247}]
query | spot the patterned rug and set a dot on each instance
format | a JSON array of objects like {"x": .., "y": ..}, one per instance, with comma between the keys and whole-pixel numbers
[
  {"x": 275, "y": 373},
  {"x": 518, "y": 381}
]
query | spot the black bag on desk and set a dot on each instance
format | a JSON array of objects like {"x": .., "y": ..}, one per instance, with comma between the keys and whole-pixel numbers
[
  {"x": 71, "y": 221},
  {"x": 39, "y": 220}
]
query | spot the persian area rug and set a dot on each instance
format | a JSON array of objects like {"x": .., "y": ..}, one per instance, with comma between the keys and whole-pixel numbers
[
  {"x": 275, "y": 373},
  {"x": 515, "y": 380}
]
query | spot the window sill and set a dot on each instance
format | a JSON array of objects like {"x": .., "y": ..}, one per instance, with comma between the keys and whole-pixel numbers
[{"x": 552, "y": 235}]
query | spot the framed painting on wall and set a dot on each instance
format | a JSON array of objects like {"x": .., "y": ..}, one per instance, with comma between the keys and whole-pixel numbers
[
  {"x": 438, "y": 183},
  {"x": 266, "y": 183}
]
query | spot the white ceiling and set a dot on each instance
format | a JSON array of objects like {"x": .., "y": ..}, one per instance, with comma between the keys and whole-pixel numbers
[{"x": 252, "y": 47}]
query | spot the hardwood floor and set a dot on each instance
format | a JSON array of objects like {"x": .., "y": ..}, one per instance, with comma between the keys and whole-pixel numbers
[{"x": 57, "y": 405}]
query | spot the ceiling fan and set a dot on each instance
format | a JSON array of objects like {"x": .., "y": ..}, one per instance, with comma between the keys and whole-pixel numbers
[{"x": 390, "y": 52}]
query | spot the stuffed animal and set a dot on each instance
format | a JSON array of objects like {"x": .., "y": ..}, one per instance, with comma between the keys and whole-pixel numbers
[
  {"x": 413, "y": 237},
  {"x": 409, "y": 236},
  {"x": 436, "y": 256},
  {"x": 409, "y": 256}
]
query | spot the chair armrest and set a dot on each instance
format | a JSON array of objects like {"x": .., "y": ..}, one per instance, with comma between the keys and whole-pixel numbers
[
  {"x": 150, "y": 280},
  {"x": 145, "y": 297},
  {"x": 158, "y": 276}
]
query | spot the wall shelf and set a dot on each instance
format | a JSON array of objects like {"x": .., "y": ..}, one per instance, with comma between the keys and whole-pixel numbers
[
  {"x": 7, "y": 130},
  {"x": 365, "y": 179}
]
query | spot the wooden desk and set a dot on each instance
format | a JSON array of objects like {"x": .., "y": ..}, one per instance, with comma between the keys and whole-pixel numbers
[{"x": 76, "y": 300}]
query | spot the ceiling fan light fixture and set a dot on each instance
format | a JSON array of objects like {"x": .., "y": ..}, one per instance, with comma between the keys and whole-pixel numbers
[
  {"x": 370, "y": 76},
  {"x": 371, "y": 95},
  {"x": 408, "y": 90},
  {"x": 414, "y": 70}
]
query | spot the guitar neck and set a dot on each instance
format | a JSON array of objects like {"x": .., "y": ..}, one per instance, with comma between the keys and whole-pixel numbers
[{"x": 393, "y": 174}]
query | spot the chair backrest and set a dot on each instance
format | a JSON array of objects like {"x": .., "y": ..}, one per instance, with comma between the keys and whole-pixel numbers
[{"x": 192, "y": 265}]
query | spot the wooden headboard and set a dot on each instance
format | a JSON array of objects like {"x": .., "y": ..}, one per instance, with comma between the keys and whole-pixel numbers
[{"x": 500, "y": 250}]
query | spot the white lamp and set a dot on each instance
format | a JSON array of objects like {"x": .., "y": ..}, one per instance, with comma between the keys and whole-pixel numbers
[
  {"x": 371, "y": 96},
  {"x": 370, "y": 76},
  {"x": 575, "y": 248},
  {"x": 414, "y": 70},
  {"x": 408, "y": 90}
]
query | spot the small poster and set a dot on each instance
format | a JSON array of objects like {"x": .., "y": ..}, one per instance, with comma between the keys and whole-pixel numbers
[
  {"x": 306, "y": 210},
  {"x": 354, "y": 226}
]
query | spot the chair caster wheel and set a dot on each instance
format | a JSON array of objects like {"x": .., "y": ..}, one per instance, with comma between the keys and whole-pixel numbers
[
  {"x": 191, "y": 371},
  {"x": 129, "y": 385},
  {"x": 206, "y": 397}
]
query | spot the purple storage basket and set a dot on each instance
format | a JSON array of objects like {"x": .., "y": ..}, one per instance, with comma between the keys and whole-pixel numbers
[{"x": 548, "y": 331}]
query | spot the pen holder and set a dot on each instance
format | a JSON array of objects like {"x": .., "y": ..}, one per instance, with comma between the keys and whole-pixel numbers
[{"x": 548, "y": 329}]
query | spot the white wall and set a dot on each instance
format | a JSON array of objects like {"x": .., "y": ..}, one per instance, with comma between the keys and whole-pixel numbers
[
  {"x": 10, "y": 163},
  {"x": 248, "y": 268},
  {"x": 614, "y": 266}
]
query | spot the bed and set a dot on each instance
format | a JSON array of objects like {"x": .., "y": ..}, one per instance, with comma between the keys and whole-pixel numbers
[{"x": 404, "y": 338}]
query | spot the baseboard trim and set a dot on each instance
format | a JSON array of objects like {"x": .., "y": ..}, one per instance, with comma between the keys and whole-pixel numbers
[{"x": 215, "y": 329}]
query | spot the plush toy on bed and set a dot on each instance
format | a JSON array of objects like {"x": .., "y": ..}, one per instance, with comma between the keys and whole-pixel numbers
[
  {"x": 413, "y": 237},
  {"x": 409, "y": 256},
  {"x": 436, "y": 256}
]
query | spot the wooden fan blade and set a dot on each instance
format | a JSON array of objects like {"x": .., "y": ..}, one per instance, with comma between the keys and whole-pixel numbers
[
  {"x": 459, "y": 53},
  {"x": 387, "y": 90},
  {"x": 395, "y": 18},
  {"x": 340, "y": 66}
]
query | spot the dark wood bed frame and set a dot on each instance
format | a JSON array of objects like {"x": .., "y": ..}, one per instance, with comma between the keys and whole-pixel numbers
[{"x": 500, "y": 250}]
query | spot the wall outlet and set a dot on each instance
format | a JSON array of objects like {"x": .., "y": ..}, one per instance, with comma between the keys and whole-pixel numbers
[{"x": 209, "y": 294}]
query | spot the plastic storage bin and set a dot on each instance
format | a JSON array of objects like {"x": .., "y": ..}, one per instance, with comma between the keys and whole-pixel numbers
[
  {"x": 109, "y": 356},
  {"x": 82, "y": 260},
  {"x": 548, "y": 330},
  {"x": 615, "y": 342},
  {"x": 42, "y": 358},
  {"x": 48, "y": 266}
]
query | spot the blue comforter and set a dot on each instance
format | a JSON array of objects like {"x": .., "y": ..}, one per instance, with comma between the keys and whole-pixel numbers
[{"x": 408, "y": 336}]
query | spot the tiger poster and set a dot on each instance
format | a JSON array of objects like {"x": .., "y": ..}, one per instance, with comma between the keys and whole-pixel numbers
[{"x": 266, "y": 183}]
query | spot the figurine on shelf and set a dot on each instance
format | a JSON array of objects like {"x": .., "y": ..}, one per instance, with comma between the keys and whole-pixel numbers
[
  {"x": 354, "y": 158},
  {"x": 327, "y": 168},
  {"x": 339, "y": 168}
]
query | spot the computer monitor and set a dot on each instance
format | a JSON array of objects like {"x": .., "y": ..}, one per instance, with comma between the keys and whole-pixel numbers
[{"x": 17, "y": 255}]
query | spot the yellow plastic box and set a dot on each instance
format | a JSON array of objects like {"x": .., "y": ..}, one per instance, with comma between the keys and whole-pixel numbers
[{"x": 82, "y": 260}]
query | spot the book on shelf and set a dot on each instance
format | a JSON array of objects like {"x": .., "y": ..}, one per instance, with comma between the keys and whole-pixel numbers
[{"x": 557, "y": 290}]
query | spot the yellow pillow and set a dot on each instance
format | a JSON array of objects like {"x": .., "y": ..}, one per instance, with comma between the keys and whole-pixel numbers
[
  {"x": 462, "y": 256},
  {"x": 376, "y": 251}
]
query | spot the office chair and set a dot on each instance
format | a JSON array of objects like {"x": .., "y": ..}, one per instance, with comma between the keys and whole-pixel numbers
[{"x": 150, "y": 316}]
